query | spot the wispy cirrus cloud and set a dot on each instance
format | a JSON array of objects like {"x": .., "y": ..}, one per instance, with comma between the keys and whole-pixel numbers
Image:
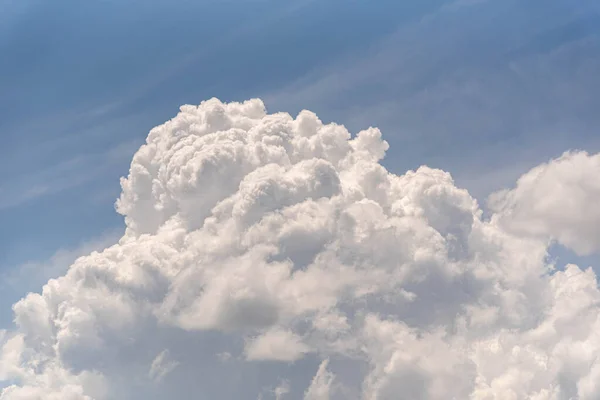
[{"x": 22, "y": 188}]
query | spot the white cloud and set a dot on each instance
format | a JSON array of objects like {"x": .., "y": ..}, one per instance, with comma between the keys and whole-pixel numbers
[
  {"x": 321, "y": 385},
  {"x": 161, "y": 366},
  {"x": 281, "y": 242},
  {"x": 556, "y": 200},
  {"x": 278, "y": 345},
  {"x": 281, "y": 390}
]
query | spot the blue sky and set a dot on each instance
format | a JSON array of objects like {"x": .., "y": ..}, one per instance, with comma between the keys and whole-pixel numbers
[{"x": 483, "y": 89}]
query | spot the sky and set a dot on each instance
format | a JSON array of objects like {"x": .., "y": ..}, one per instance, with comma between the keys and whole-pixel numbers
[{"x": 484, "y": 89}]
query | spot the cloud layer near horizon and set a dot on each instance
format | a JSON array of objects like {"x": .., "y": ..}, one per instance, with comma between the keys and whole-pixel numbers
[{"x": 273, "y": 257}]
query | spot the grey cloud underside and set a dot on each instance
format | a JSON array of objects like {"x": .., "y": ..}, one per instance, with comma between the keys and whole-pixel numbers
[{"x": 274, "y": 257}]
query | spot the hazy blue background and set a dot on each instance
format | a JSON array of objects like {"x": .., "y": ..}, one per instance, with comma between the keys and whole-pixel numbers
[{"x": 484, "y": 89}]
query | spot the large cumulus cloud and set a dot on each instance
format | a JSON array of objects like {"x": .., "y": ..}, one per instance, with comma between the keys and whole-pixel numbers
[{"x": 267, "y": 256}]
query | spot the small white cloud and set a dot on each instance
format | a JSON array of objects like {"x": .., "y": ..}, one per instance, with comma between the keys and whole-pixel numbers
[
  {"x": 161, "y": 366},
  {"x": 224, "y": 356},
  {"x": 281, "y": 390},
  {"x": 276, "y": 345},
  {"x": 321, "y": 384}
]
